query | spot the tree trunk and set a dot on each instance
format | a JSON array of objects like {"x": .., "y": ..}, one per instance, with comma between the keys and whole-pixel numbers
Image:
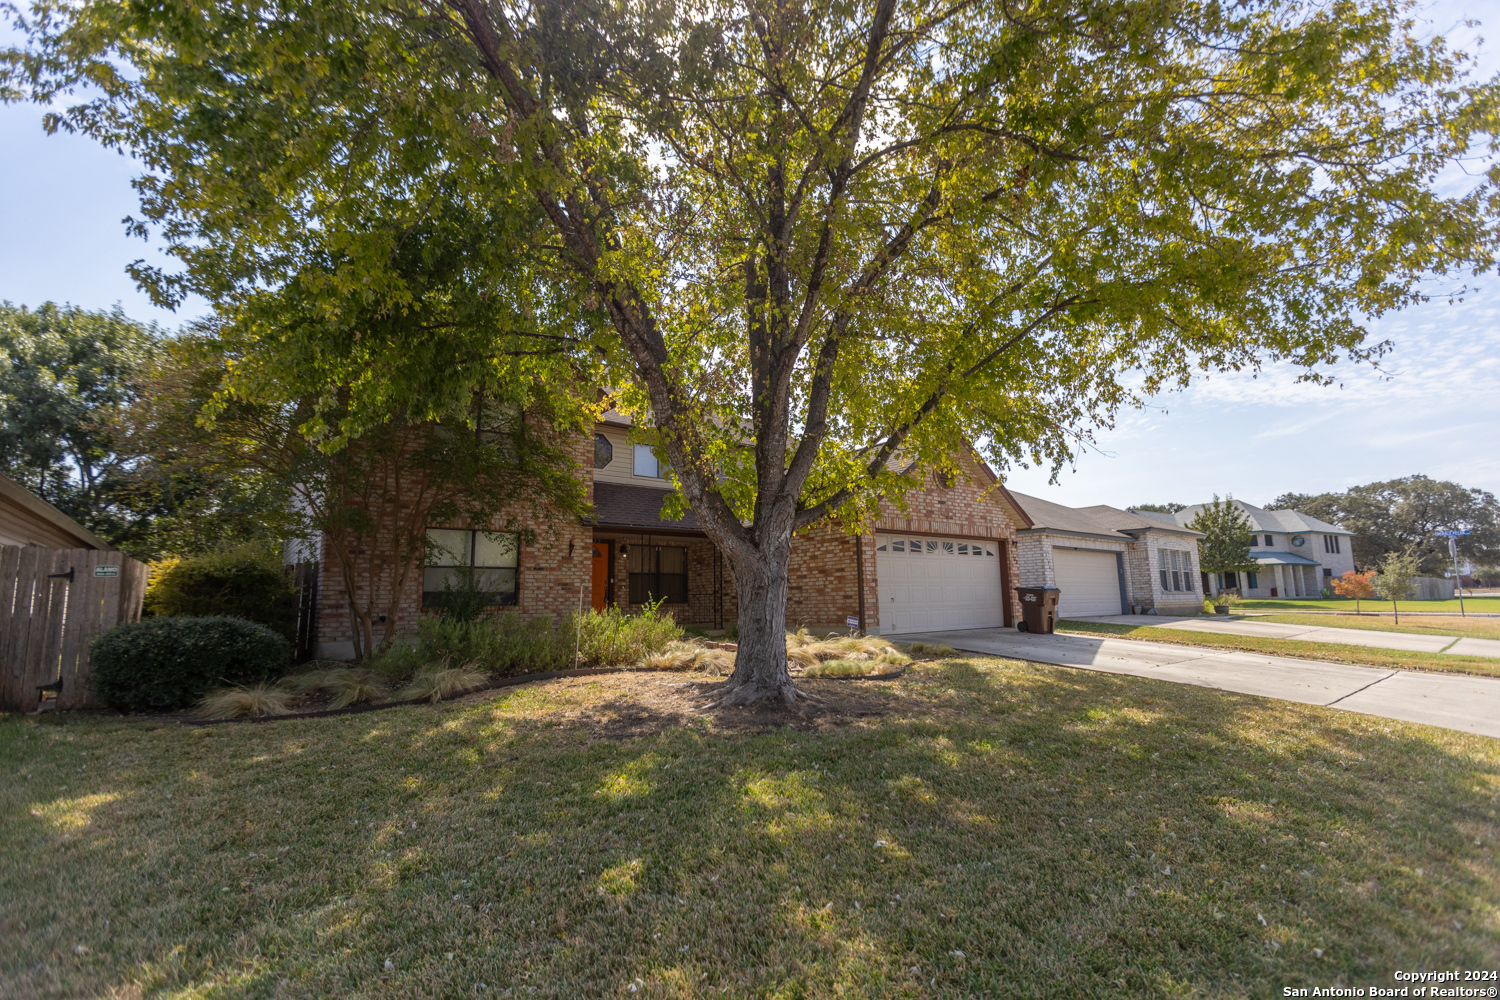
[{"x": 760, "y": 664}]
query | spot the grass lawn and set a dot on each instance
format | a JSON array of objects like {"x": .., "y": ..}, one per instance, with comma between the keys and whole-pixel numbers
[
  {"x": 1472, "y": 605},
  {"x": 1485, "y": 666},
  {"x": 978, "y": 828},
  {"x": 1478, "y": 628}
]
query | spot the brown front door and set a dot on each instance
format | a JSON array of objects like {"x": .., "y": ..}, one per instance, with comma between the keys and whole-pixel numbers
[{"x": 601, "y": 575}]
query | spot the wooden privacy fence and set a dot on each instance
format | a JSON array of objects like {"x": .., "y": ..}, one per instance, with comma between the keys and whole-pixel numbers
[{"x": 52, "y": 603}]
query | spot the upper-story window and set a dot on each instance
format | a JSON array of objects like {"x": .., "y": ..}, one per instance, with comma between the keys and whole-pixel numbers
[
  {"x": 1331, "y": 543},
  {"x": 1268, "y": 541},
  {"x": 604, "y": 452},
  {"x": 646, "y": 464}
]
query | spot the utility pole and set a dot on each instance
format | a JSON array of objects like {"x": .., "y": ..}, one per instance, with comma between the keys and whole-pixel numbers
[{"x": 1458, "y": 580}]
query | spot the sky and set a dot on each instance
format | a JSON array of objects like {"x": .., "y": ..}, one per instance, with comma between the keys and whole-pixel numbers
[{"x": 1433, "y": 409}]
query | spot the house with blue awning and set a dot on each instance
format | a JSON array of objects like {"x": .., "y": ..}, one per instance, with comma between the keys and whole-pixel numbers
[{"x": 1297, "y": 555}]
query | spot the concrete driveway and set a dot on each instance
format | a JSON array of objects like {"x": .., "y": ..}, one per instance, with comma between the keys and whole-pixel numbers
[
  {"x": 1454, "y": 701},
  {"x": 1411, "y": 641}
]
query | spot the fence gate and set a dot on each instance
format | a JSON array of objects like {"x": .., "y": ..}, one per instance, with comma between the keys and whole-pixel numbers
[{"x": 52, "y": 603}]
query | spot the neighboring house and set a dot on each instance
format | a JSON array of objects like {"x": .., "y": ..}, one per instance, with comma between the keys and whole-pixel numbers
[
  {"x": 947, "y": 562},
  {"x": 1108, "y": 561},
  {"x": 27, "y": 519},
  {"x": 1297, "y": 554}
]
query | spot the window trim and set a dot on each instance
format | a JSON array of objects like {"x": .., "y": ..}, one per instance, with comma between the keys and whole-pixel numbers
[
  {"x": 501, "y": 598},
  {"x": 635, "y": 462},
  {"x": 655, "y": 590}
]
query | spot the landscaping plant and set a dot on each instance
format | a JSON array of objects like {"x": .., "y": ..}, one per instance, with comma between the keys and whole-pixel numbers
[
  {"x": 1397, "y": 571},
  {"x": 162, "y": 664},
  {"x": 249, "y": 581},
  {"x": 1356, "y": 585}
]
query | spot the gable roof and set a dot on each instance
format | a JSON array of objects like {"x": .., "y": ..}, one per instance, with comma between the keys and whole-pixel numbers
[
  {"x": 27, "y": 519},
  {"x": 1101, "y": 521},
  {"x": 1287, "y": 521}
]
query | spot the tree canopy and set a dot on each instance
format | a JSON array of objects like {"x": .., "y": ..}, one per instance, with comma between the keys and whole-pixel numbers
[
  {"x": 860, "y": 234},
  {"x": 1402, "y": 515},
  {"x": 1226, "y": 545}
]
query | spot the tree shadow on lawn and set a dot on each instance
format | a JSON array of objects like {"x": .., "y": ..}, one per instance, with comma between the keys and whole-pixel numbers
[{"x": 1032, "y": 831}]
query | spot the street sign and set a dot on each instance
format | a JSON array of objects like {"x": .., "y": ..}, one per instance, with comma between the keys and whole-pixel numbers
[
  {"x": 106, "y": 571},
  {"x": 1451, "y": 534}
]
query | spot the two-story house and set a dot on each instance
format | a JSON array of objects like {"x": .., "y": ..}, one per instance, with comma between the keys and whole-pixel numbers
[
  {"x": 947, "y": 562},
  {"x": 1297, "y": 554}
]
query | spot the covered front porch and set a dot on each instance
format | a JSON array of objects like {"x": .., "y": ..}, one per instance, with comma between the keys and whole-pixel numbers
[
  {"x": 1278, "y": 575},
  {"x": 638, "y": 557}
]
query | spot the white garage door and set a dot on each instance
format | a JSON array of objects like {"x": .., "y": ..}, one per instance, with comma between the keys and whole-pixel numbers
[
  {"x": 1089, "y": 581},
  {"x": 934, "y": 584}
]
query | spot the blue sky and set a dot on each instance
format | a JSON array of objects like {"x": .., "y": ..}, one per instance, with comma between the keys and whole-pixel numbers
[{"x": 1435, "y": 408}]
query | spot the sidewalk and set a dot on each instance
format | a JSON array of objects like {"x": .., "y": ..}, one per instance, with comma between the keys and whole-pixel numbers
[
  {"x": 1468, "y": 704},
  {"x": 1410, "y": 641}
]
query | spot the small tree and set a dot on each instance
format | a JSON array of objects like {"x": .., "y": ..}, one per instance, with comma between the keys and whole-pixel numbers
[
  {"x": 1226, "y": 545},
  {"x": 1397, "y": 570},
  {"x": 1359, "y": 586}
]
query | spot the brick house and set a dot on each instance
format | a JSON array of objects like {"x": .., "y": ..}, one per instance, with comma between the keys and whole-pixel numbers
[
  {"x": 1108, "y": 561},
  {"x": 947, "y": 562}
]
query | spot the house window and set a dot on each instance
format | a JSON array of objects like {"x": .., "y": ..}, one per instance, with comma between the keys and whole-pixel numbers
[
  {"x": 457, "y": 556},
  {"x": 1176, "y": 569},
  {"x": 1268, "y": 541},
  {"x": 1331, "y": 543},
  {"x": 646, "y": 464},
  {"x": 604, "y": 452},
  {"x": 658, "y": 572}
]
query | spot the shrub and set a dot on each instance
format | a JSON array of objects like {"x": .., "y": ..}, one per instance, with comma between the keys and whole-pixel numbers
[
  {"x": 610, "y": 638},
  {"x": 240, "y": 702},
  {"x": 160, "y": 664},
  {"x": 438, "y": 683},
  {"x": 248, "y": 581}
]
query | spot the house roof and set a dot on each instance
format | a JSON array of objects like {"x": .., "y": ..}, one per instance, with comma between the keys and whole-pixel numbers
[
  {"x": 37, "y": 522},
  {"x": 1287, "y": 521},
  {"x": 619, "y": 506},
  {"x": 1100, "y": 521}
]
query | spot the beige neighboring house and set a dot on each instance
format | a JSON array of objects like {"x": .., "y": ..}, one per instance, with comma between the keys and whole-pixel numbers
[
  {"x": 1108, "y": 561},
  {"x": 27, "y": 519}
]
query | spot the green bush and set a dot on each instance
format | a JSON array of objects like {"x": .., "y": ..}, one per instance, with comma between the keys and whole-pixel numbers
[
  {"x": 248, "y": 581},
  {"x": 505, "y": 644},
  {"x": 161, "y": 664},
  {"x": 612, "y": 639}
]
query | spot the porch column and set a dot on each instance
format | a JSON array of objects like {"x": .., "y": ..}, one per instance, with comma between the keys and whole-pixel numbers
[{"x": 1281, "y": 581}]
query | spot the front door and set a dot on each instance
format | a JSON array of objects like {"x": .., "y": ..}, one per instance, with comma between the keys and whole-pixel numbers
[{"x": 601, "y": 575}]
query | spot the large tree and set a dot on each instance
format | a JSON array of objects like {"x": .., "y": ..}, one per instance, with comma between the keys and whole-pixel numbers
[
  {"x": 813, "y": 243},
  {"x": 66, "y": 375},
  {"x": 1405, "y": 515}
]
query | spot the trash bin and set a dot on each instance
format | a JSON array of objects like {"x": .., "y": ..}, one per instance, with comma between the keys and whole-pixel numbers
[{"x": 1038, "y": 608}]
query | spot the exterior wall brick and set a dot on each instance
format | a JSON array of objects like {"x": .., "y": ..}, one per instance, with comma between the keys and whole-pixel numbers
[
  {"x": 553, "y": 566},
  {"x": 824, "y": 586}
]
